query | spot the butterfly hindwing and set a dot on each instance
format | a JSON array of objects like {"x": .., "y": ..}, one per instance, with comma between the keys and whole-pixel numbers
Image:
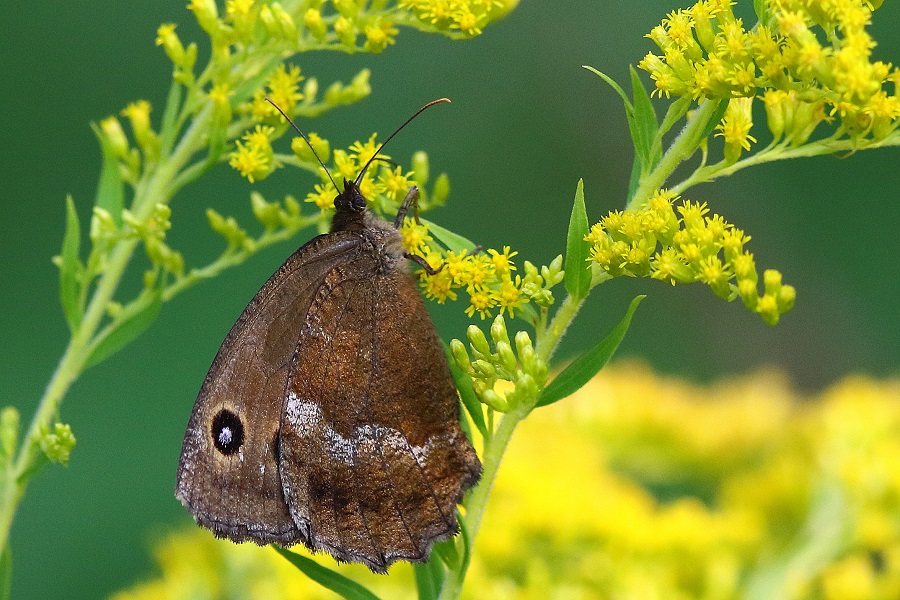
[{"x": 372, "y": 450}]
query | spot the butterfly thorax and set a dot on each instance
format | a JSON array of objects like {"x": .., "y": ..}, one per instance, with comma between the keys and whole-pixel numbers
[{"x": 351, "y": 214}]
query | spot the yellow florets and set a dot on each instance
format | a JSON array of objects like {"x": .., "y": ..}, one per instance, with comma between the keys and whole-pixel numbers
[
  {"x": 577, "y": 511},
  {"x": 253, "y": 157},
  {"x": 817, "y": 51},
  {"x": 466, "y": 16},
  {"x": 653, "y": 242},
  {"x": 362, "y": 153},
  {"x": 485, "y": 276}
]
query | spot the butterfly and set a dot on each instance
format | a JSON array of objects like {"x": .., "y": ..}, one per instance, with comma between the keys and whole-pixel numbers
[{"x": 329, "y": 416}]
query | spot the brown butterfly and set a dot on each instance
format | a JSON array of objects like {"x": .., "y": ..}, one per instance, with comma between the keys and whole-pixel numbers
[{"x": 329, "y": 415}]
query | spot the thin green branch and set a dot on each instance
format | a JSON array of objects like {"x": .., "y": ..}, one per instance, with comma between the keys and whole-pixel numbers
[
  {"x": 231, "y": 258},
  {"x": 780, "y": 152}
]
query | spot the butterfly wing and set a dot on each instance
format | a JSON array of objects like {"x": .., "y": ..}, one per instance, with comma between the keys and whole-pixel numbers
[
  {"x": 228, "y": 475},
  {"x": 373, "y": 457}
]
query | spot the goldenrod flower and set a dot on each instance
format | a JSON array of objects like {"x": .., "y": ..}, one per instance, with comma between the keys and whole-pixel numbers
[
  {"x": 322, "y": 196},
  {"x": 653, "y": 242},
  {"x": 500, "y": 260},
  {"x": 379, "y": 36},
  {"x": 466, "y": 16},
  {"x": 817, "y": 51},
  {"x": 480, "y": 301},
  {"x": 509, "y": 297},
  {"x": 284, "y": 87},
  {"x": 362, "y": 153},
  {"x": 735, "y": 128},
  {"x": 415, "y": 236},
  {"x": 438, "y": 287},
  {"x": 253, "y": 158},
  {"x": 345, "y": 165},
  {"x": 393, "y": 183}
]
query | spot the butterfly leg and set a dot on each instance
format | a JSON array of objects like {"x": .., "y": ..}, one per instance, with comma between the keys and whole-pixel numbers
[{"x": 411, "y": 199}]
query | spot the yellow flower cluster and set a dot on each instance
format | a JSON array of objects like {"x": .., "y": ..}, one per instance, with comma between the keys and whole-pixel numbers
[
  {"x": 283, "y": 89},
  {"x": 810, "y": 58},
  {"x": 384, "y": 185},
  {"x": 468, "y": 17},
  {"x": 253, "y": 158},
  {"x": 488, "y": 278},
  {"x": 336, "y": 23},
  {"x": 641, "y": 486},
  {"x": 654, "y": 241}
]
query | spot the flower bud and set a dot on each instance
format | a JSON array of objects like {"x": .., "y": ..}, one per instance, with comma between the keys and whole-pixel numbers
[
  {"x": 267, "y": 213},
  {"x": 207, "y": 15},
  {"x": 420, "y": 168},
  {"x": 478, "y": 342},
  {"x": 506, "y": 357},
  {"x": 493, "y": 399},
  {"x": 460, "y": 356},
  {"x": 313, "y": 21},
  {"x": 168, "y": 39},
  {"x": 115, "y": 135}
]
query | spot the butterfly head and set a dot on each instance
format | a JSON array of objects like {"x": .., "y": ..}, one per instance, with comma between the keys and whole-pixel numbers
[{"x": 350, "y": 208}]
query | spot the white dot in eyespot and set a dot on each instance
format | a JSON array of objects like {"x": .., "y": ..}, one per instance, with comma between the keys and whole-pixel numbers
[{"x": 225, "y": 436}]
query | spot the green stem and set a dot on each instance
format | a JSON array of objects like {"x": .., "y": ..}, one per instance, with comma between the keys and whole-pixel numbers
[
  {"x": 149, "y": 192},
  {"x": 494, "y": 449},
  {"x": 495, "y": 446},
  {"x": 546, "y": 344},
  {"x": 66, "y": 373},
  {"x": 232, "y": 259},
  {"x": 682, "y": 148},
  {"x": 781, "y": 152}
]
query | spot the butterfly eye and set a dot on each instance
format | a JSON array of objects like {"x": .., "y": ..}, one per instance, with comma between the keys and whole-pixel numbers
[{"x": 227, "y": 432}]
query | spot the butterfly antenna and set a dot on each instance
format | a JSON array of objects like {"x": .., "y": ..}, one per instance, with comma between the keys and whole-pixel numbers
[
  {"x": 390, "y": 137},
  {"x": 306, "y": 139}
]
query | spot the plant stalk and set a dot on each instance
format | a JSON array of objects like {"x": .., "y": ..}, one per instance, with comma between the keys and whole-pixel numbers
[{"x": 494, "y": 449}]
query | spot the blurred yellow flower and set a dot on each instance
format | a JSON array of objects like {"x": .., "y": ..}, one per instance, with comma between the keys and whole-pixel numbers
[{"x": 642, "y": 486}]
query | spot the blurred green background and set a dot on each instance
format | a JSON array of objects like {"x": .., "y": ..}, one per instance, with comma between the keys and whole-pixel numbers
[{"x": 525, "y": 124}]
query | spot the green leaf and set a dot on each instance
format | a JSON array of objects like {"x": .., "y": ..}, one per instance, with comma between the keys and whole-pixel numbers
[
  {"x": 467, "y": 393},
  {"x": 446, "y": 553},
  {"x": 643, "y": 125},
  {"x": 612, "y": 83},
  {"x": 714, "y": 119},
  {"x": 588, "y": 364},
  {"x": 332, "y": 580},
  {"x": 132, "y": 322},
  {"x": 110, "y": 189},
  {"x": 761, "y": 8},
  {"x": 578, "y": 275},
  {"x": 453, "y": 241},
  {"x": 466, "y": 544},
  {"x": 429, "y": 578},
  {"x": 169, "y": 129},
  {"x": 634, "y": 180},
  {"x": 70, "y": 268},
  {"x": 676, "y": 110}
]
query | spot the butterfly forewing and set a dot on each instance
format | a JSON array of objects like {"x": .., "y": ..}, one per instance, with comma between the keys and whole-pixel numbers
[{"x": 228, "y": 475}]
